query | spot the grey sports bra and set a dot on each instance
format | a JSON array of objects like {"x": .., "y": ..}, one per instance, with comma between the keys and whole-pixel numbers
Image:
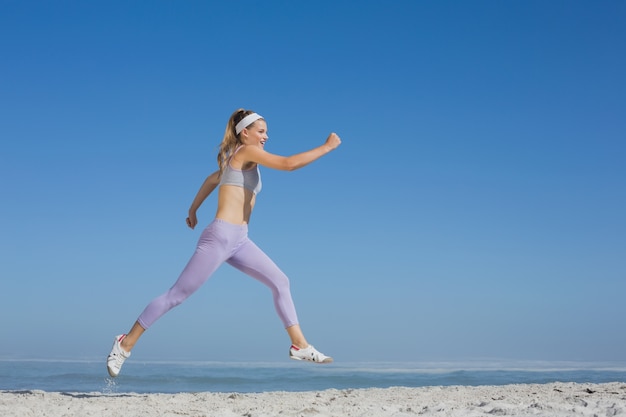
[{"x": 250, "y": 179}]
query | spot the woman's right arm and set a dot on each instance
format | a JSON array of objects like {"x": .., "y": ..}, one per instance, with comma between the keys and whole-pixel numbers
[
  {"x": 209, "y": 184},
  {"x": 290, "y": 163}
]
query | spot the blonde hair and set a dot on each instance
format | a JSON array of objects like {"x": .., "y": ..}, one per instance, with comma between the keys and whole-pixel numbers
[{"x": 231, "y": 140}]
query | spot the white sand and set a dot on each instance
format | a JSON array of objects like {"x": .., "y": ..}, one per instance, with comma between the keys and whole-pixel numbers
[{"x": 558, "y": 399}]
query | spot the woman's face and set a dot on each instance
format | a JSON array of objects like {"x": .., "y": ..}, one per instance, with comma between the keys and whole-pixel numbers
[{"x": 255, "y": 134}]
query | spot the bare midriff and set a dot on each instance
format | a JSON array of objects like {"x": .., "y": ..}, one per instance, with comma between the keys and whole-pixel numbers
[{"x": 234, "y": 204}]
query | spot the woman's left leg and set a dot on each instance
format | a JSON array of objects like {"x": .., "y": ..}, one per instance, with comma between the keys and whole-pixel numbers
[{"x": 251, "y": 260}]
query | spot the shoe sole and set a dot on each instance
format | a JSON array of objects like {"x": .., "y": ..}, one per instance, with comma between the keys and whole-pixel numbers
[{"x": 295, "y": 358}]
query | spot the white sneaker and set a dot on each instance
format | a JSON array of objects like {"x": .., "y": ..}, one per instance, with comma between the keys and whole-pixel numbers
[
  {"x": 116, "y": 358},
  {"x": 308, "y": 354}
]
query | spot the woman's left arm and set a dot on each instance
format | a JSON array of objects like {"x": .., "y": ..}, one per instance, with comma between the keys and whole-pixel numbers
[{"x": 209, "y": 184}]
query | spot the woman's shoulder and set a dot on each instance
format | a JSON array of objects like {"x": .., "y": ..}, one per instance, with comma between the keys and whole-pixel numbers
[
  {"x": 243, "y": 156},
  {"x": 247, "y": 152}
]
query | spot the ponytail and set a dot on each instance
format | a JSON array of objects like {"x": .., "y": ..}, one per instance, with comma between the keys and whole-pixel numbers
[{"x": 231, "y": 139}]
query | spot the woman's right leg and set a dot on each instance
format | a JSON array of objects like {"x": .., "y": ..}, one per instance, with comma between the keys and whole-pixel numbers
[
  {"x": 128, "y": 342},
  {"x": 213, "y": 248}
]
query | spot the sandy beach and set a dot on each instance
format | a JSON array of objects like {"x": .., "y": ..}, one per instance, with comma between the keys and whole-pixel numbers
[{"x": 555, "y": 399}]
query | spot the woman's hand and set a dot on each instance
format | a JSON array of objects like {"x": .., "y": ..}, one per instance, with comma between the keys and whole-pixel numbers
[
  {"x": 192, "y": 221},
  {"x": 333, "y": 141}
]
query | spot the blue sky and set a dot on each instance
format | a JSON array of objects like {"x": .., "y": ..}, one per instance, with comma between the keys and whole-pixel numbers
[{"x": 475, "y": 209}]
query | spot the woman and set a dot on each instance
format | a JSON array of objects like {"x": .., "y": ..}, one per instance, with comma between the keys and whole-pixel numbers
[{"x": 226, "y": 238}]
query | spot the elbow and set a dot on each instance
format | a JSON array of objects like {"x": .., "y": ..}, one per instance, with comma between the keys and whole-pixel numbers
[{"x": 290, "y": 165}]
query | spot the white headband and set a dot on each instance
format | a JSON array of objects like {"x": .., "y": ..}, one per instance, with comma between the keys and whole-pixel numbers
[{"x": 247, "y": 121}]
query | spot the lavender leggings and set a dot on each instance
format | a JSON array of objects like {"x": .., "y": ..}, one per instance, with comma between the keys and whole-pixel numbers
[{"x": 224, "y": 242}]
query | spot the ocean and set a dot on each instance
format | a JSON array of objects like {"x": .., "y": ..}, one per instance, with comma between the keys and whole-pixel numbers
[{"x": 174, "y": 377}]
